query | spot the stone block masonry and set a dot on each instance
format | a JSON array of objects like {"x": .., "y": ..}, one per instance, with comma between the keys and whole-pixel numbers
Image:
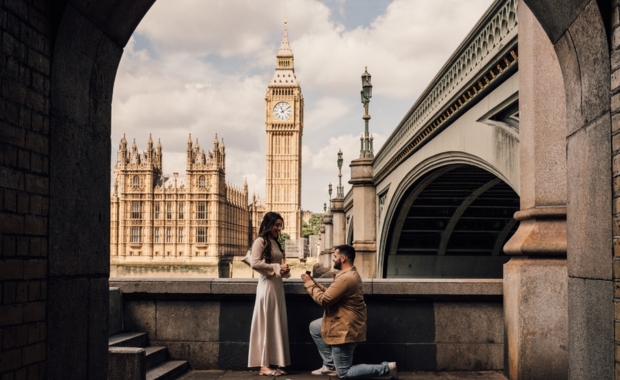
[
  {"x": 615, "y": 131},
  {"x": 25, "y": 43},
  {"x": 421, "y": 324}
]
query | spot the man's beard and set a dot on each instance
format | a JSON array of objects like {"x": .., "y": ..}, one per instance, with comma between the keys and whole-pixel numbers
[{"x": 338, "y": 265}]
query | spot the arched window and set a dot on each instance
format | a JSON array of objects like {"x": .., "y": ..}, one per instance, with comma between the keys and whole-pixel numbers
[
  {"x": 202, "y": 181},
  {"x": 136, "y": 181}
]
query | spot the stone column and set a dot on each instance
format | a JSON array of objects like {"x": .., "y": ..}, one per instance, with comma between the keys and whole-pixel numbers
[
  {"x": 364, "y": 212},
  {"x": 328, "y": 223},
  {"x": 535, "y": 278},
  {"x": 323, "y": 254},
  {"x": 339, "y": 221}
]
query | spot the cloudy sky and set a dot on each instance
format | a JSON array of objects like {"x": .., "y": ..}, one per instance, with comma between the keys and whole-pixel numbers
[{"x": 202, "y": 67}]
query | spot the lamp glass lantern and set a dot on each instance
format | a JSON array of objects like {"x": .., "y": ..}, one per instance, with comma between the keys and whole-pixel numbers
[{"x": 366, "y": 87}]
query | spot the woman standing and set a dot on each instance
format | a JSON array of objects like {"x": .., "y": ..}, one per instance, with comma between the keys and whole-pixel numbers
[{"x": 269, "y": 335}]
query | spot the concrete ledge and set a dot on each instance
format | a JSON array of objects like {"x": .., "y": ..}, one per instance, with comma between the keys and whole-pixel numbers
[{"x": 378, "y": 287}]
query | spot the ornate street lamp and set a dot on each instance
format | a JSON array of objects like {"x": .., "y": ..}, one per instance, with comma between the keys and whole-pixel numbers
[
  {"x": 366, "y": 94},
  {"x": 340, "y": 189}
]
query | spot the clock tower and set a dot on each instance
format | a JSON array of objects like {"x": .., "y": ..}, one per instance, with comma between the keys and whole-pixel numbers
[{"x": 284, "y": 124}]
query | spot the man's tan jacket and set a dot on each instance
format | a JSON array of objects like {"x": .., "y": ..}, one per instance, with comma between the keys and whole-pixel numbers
[{"x": 344, "y": 320}]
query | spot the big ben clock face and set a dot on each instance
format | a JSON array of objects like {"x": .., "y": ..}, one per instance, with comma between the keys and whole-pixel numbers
[{"x": 282, "y": 110}]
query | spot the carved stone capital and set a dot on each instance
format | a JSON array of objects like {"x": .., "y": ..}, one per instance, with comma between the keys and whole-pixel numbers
[
  {"x": 542, "y": 232},
  {"x": 361, "y": 172},
  {"x": 365, "y": 246},
  {"x": 337, "y": 205}
]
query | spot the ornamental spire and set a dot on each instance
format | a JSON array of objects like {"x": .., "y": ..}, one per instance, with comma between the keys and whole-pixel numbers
[{"x": 285, "y": 48}]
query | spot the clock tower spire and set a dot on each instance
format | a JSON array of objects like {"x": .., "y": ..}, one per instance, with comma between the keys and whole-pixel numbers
[{"x": 284, "y": 120}]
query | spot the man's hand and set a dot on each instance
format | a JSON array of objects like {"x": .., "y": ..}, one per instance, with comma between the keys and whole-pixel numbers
[{"x": 306, "y": 278}]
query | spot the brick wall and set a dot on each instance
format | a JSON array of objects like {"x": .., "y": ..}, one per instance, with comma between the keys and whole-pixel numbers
[
  {"x": 24, "y": 186},
  {"x": 615, "y": 129}
]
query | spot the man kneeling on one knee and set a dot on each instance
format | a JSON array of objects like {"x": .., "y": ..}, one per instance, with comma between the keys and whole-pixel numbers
[{"x": 343, "y": 325}]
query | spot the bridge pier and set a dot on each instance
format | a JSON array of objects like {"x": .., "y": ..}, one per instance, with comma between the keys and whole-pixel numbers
[
  {"x": 364, "y": 218},
  {"x": 536, "y": 277}
]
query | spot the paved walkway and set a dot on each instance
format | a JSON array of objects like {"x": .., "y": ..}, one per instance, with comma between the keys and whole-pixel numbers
[{"x": 231, "y": 375}]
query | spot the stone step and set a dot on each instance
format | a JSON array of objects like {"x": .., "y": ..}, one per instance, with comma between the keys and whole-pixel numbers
[
  {"x": 155, "y": 355},
  {"x": 127, "y": 340},
  {"x": 168, "y": 370}
]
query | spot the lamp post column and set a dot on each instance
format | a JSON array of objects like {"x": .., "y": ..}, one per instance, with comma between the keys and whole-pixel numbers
[
  {"x": 364, "y": 197},
  {"x": 338, "y": 218}
]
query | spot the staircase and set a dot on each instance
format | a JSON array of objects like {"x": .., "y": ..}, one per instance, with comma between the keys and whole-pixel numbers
[{"x": 131, "y": 358}]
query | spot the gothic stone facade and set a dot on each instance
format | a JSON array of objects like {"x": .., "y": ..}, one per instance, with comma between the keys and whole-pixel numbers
[{"x": 155, "y": 218}]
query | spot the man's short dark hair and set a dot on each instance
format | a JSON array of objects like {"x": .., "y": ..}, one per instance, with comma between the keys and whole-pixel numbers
[{"x": 347, "y": 251}]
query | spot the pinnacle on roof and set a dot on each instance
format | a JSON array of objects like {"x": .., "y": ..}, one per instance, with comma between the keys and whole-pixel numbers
[{"x": 285, "y": 48}]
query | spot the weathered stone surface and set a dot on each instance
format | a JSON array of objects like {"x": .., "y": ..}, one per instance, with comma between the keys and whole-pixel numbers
[
  {"x": 163, "y": 286},
  {"x": 591, "y": 329},
  {"x": 536, "y": 313},
  {"x": 67, "y": 327},
  {"x": 140, "y": 316},
  {"x": 126, "y": 363},
  {"x": 404, "y": 287},
  {"x": 187, "y": 321},
  {"x": 234, "y": 286},
  {"x": 116, "y": 311},
  {"x": 470, "y": 356},
  {"x": 420, "y": 357},
  {"x": 200, "y": 355},
  {"x": 589, "y": 208},
  {"x": 436, "y": 287},
  {"x": 233, "y": 355},
  {"x": 542, "y": 117},
  {"x": 98, "y": 323},
  {"x": 388, "y": 318},
  {"x": 470, "y": 322},
  {"x": 235, "y": 319},
  {"x": 556, "y": 16}
]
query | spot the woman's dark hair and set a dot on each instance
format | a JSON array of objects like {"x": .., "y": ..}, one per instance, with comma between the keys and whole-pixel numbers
[{"x": 269, "y": 221}]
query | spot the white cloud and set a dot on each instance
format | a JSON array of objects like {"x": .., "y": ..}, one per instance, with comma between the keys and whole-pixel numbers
[
  {"x": 202, "y": 67},
  {"x": 320, "y": 167}
]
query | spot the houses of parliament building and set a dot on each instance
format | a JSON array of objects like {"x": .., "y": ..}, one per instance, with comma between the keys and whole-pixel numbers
[{"x": 200, "y": 217}]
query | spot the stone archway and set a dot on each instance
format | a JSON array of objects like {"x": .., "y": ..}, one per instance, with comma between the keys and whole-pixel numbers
[
  {"x": 452, "y": 223},
  {"x": 88, "y": 44},
  {"x": 578, "y": 33},
  {"x": 86, "y": 41}
]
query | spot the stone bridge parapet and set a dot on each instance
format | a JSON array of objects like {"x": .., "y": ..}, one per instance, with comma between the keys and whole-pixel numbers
[{"x": 439, "y": 324}]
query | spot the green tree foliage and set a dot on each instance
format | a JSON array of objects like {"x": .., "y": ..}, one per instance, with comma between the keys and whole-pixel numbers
[
  {"x": 313, "y": 225},
  {"x": 283, "y": 238}
]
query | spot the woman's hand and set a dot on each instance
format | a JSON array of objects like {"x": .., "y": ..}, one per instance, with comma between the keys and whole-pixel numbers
[{"x": 284, "y": 269}]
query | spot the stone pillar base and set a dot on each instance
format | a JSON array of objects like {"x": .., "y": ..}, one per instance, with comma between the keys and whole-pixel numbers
[
  {"x": 325, "y": 258},
  {"x": 536, "y": 318},
  {"x": 366, "y": 258}
]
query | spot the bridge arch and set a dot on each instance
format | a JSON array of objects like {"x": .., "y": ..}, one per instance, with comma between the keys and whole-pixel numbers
[{"x": 412, "y": 191}]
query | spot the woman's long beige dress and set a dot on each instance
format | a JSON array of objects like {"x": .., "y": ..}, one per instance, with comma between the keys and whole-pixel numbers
[{"x": 269, "y": 334}]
